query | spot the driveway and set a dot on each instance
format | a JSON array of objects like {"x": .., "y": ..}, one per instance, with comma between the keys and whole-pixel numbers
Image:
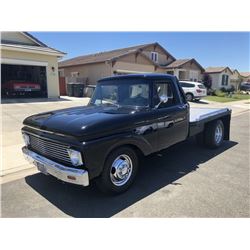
[
  {"x": 13, "y": 113},
  {"x": 183, "y": 181}
]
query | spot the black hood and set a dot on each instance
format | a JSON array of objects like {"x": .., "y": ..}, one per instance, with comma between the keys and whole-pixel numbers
[{"x": 84, "y": 121}]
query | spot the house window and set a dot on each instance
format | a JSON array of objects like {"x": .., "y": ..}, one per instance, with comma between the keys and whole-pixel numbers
[
  {"x": 224, "y": 80},
  {"x": 193, "y": 76},
  {"x": 154, "y": 56},
  {"x": 74, "y": 74}
]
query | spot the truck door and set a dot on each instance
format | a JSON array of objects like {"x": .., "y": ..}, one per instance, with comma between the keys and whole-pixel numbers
[{"x": 171, "y": 116}]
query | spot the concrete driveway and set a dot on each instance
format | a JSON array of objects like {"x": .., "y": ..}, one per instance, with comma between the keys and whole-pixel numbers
[
  {"x": 15, "y": 111},
  {"x": 183, "y": 181},
  {"x": 13, "y": 114}
]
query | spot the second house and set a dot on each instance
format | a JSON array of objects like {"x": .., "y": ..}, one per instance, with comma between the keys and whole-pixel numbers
[{"x": 146, "y": 58}]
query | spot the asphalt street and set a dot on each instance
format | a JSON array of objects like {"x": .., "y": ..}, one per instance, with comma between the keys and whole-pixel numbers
[{"x": 183, "y": 181}]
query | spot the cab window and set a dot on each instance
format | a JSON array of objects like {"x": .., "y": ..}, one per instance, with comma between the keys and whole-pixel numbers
[{"x": 161, "y": 90}]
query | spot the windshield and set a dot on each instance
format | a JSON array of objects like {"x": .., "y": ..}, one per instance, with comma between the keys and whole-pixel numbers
[{"x": 121, "y": 93}]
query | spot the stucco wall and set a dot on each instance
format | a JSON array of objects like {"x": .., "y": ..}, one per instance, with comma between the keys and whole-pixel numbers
[
  {"x": 96, "y": 71},
  {"x": 52, "y": 76},
  {"x": 163, "y": 59},
  {"x": 187, "y": 74},
  {"x": 235, "y": 80},
  {"x": 191, "y": 66},
  {"x": 217, "y": 79},
  {"x": 93, "y": 72},
  {"x": 133, "y": 67},
  {"x": 132, "y": 58}
]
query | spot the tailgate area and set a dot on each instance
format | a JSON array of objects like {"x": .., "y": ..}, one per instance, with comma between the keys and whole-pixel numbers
[
  {"x": 198, "y": 114},
  {"x": 198, "y": 118}
]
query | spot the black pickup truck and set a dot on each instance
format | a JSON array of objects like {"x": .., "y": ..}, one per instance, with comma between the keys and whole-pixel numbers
[{"x": 127, "y": 117}]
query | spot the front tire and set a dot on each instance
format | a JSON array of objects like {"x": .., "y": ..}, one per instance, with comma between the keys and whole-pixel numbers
[
  {"x": 119, "y": 171},
  {"x": 214, "y": 134}
]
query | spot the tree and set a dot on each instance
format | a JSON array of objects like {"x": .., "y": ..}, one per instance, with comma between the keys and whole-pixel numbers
[{"x": 207, "y": 81}]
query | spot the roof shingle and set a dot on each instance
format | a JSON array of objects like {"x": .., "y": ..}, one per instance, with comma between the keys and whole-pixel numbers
[
  {"x": 100, "y": 57},
  {"x": 104, "y": 56},
  {"x": 245, "y": 74},
  {"x": 216, "y": 69},
  {"x": 180, "y": 62}
]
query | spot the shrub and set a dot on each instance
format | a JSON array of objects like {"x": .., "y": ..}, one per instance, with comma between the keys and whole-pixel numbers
[
  {"x": 223, "y": 89},
  {"x": 228, "y": 90},
  {"x": 220, "y": 93},
  {"x": 207, "y": 81},
  {"x": 231, "y": 89},
  {"x": 211, "y": 92}
]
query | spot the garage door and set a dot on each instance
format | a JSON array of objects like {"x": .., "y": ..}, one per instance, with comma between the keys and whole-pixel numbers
[{"x": 23, "y": 81}]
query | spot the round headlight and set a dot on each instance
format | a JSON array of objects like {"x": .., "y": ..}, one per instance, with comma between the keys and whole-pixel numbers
[
  {"x": 75, "y": 157},
  {"x": 26, "y": 139}
]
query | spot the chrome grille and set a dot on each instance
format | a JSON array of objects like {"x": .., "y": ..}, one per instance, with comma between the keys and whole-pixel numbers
[{"x": 50, "y": 149}]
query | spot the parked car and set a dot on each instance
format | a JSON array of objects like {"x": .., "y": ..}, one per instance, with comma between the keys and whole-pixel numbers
[
  {"x": 127, "y": 117},
  {"x": 19, "y": 88},
  {"x": 245, "y": 86},
  {"x": 193, "y": 90}
]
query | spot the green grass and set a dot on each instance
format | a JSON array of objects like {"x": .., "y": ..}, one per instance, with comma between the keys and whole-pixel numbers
[{"x": 235, "y": 97}]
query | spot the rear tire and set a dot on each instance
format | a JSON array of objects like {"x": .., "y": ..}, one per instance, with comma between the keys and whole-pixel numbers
[
  {"x": 189, "y": 97},
  {"x": 214, "y": 134},
  {"x": 119, "y": 171}
]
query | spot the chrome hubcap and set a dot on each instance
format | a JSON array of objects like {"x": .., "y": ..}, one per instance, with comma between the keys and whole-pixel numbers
[
  {"x": 189, "y": 97},
  {"x": 218, "y": 134},
  {"x": 121, "y": 170}
]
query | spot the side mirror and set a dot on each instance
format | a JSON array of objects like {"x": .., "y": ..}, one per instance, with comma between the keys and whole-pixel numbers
[{"x": 163, "y": 99}]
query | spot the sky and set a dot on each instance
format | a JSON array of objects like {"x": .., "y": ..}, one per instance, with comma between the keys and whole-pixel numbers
[{"x": 208, "y": 48}]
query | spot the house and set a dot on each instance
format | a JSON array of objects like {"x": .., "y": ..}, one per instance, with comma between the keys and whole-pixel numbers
[
  {"x": 146, "y": 58},
  {"x": 236, "y": 79},
  {"x": 245, "y": 76},
  {"x": 186, "y": 69},
  {"x": 220, "y": 76},
  {"x": 26, "y": 59}
]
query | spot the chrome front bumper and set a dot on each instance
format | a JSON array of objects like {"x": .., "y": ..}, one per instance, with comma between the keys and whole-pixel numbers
[{"x": 61, "y": 172}]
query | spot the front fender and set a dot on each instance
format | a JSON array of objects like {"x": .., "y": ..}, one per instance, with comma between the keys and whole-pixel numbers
[{"x": 96, "y": 151}]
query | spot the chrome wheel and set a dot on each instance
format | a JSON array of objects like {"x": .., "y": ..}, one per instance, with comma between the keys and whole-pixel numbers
[
  {"x": 189, "y": 97},
  {"x": 218, "y": 134},
  {"x": 121, "y": 170}
]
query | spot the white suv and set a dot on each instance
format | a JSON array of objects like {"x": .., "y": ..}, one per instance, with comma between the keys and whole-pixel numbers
[{"x": 193, "y": 90}]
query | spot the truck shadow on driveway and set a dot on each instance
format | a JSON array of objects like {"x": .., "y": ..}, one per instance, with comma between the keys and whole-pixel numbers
[{"x": 156, "y": 171}]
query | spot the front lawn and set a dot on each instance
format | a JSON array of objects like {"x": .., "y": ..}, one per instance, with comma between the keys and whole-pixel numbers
[{"x": 235, "y": 97}]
